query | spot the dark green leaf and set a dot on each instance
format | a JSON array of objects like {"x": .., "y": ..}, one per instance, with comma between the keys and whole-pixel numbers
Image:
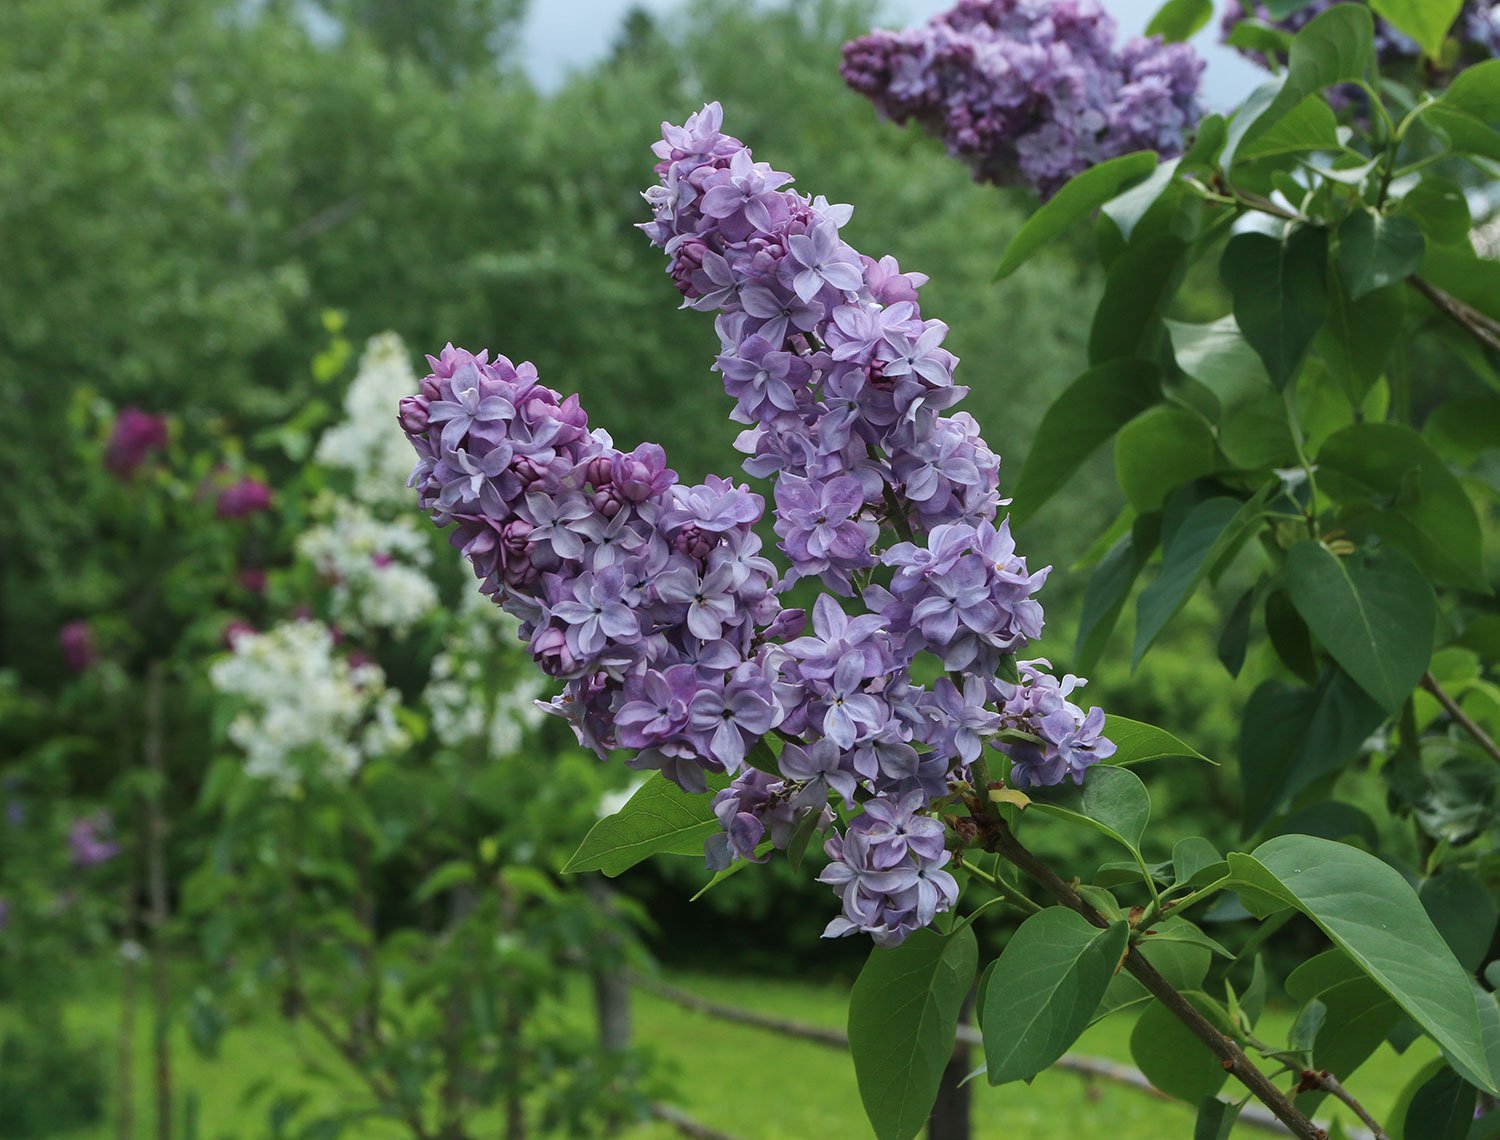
[
  {"x": 1112, "y": 801},
  {"x": 1178, "y": 20},
  {"x": 1136, "y": 743},
  {"x": 1333, "y": 819},
  {"x": 1310, "y": 125},
  {"x": 1464, "y": 913},
  {"x": 659, "y": 819},
  {"x": 1110, "y": 585},
  {"x": 1457, "y": 270},
  {"x": 1374, "y": 916},
  {"x": 1289, "y": 637},
  {"x": 1377, "y": 250},
  {"x": 1356, "y": 341},
  {"x": 1374, "y": 611},
  {"x": 1440, "y": 208},
  {"x": 1235, "y": 638},
  {"x": 903, "y": 1015},
  {"x": 1303, "y": 1034},
  {"x": 1127, "y": 321},
  {"x": 1081, "y": 196},
  {"x": 1212, "y": 529},
  {"x": 1078, "y": 423},
  {"x": 1190, "y": 858},
  {"x": 1292, "y": 736},
  {"x": 796, "y": 847},
  {"x": 1464, "y": 428},
  {"x": 1051, "y": 978},
  {"x": 1389, "y": 479},
  {"x": 1442, "y": 1109},
  {"x": 1215, "y": 1119},
  {"x": 1218, "y": 357},
  {"x": 1173, "y": 1059},
  {"x": 1468, "y": 109},
  {"x": 1160, "y": 449},
  {"x": 1280, "y": 293},
  {"x": 1426, "y": 21}
]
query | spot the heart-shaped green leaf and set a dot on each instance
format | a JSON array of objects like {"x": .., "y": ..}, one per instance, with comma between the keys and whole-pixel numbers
[
  {"x": 1280, "y": 294},
  {"x": 1373, "y": 611},
  {"x": 1376, "y": 250}
]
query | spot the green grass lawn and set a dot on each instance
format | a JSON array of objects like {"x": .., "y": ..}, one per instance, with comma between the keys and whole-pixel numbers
[{"x": 746, "y": 1081}]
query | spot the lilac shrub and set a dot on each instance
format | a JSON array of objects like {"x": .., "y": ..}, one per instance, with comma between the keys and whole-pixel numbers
[
  {"x": 1030, "y": 91},
  {"x": 655, "y": 605}
]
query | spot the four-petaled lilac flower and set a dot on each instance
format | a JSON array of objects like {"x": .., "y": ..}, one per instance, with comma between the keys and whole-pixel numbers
[
  {"x": 824, "y": 260},
  {"x": 595, "y": 611},
  {"x": 469, "y": 406}
]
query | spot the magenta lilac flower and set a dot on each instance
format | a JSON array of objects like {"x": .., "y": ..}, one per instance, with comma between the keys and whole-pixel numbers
[
  {"x": 654, "y": 603},
  {"x": 132, "y": 439},
  {"x": 1030, "y": 91},
  {"x": 76, "y": 640},
  {"x": 242, "y": 498}
]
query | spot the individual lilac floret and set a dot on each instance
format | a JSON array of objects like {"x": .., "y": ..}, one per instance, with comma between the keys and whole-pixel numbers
[
  {"x": 1030, "y": 91},
  {"x": 1067, "y": 740}
]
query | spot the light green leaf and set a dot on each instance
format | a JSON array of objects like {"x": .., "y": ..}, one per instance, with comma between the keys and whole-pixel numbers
[
  {"x": 1112, "y": 801},
  {"x": 1377, "y": 250},
  {"x": 1160, "y": 449},
  {"x": 1078, "y": 423},
  {"x": 1280, "y": 293},
  {"x": 1426, "y": 21},
  {"x": 454, "y": 873},
  {"x": 1049, "y": 981},
  {"x": 1373, "y": 611},
  {"x": 1080, "y": 197},
  {"x": 903, "y": 1014},
  {"x": 1179, "y": 20},
  {"x": 1191, "y": 858},
  {"x": 660, "y": 819},
  {"x": 1130, "y": 207},
  {"x": 1310, "y": 125},
  {"x": 1136, "y": 743},
  {"x": 1218, "y": 357},
  {"x": 1374, "y": 916}
]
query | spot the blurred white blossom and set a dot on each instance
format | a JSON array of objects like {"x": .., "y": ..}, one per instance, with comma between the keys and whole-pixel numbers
[
  {"x": 376, "y": 567},
  {"x": 465, "y": 700},
  {"x": 369, "y": 443},
  {"x": 307, "y": 707}
]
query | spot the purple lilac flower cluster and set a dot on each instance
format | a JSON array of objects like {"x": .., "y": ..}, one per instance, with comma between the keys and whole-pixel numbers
[
  {"x": 88, "y": 841},
  {"x": 652, "y": 600},
  {"x": 133, "y": 437},
  {"x": 1030, "y": 91},
  {"x": 1477, "y": 29}
]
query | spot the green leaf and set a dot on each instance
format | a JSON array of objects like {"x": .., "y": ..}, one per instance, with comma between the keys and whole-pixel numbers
[
  {"x": 1356, "y": 341},
  {"x": 1112, "y": 801},
  {"x": 1426, "y": 21},
  {"x": 1440, "y": 208},
  {"x": 1190, "y": 859},
  {"x": 1457, "y": 270},
  {"x": 1050, "y": 980},
  {"x": 1141, "y": 280},
  {"x": 1335, "y": 47},
  {"x": 802, "y": 833},
  {"x": 1179, "y": 20},
  {"x": 1080, "y": 197},
  {"x": 1463, "y": 912},
  {"x": 1215, "y": 1119},
  {"x": 454, "y": 873},
  {"x": 1289, "y": 637},
  {"x": 1378, "y": 250},
  {"x": 1234, "y": 640},
  {"x": 1442, "y": 1109},
  {"x": 660, "y": 819},
  {"x": 1212, "y": 530},
  {"x": 1280, "y": 293},
  {"x": 1160, "y": 449},
  {"x": 1127, "y": 209},
  {"x": 903, "y": 1015},
  {"x": 1218, "y": 357},
  {"x": 1078, "y": 423},
  {"x": 1468, "y": 108},
  {"x": 1373, "y": 611},
  {"x": 1172, "y": 1058},
  {"x": 1310, "y": 125},
  {"x": 1110, "y": 585},
  {"x": 1464, "y": 428},
  {"x": 1293, "y": 736},
  {"x": 1137, "y": 743},
  {"x": 1374, "y": 916}
]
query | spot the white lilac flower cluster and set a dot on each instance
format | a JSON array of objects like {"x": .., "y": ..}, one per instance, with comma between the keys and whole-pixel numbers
[
  {"x": 365, "y": 443},
  {"x": 375, "y": 567},
  {"x": 308, "y": 711},
  {"x": 652, "y": 599}
]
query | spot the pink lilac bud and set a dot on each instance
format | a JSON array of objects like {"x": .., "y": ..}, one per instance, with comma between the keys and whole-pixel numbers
[
  {"x": 76, "y": 640},
  {"x": 243, "y": 498},
  {"x": 412, "y": 414},
  {"x": 134, "y": 437}
]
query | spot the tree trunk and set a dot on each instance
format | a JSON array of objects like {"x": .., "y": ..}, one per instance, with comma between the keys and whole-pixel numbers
[{"x": 610, "y": 981}]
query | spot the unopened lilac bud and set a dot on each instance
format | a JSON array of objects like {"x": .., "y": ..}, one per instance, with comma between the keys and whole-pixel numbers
[
  {"x": 549, "y": 646},
  {"x": 643, "y": 473},
  {"x": 598, "y": 471},
  {"x": 693, "y": 542},
  {"x": 687, "y": 262},
  {"x": 412, "y": 414}
]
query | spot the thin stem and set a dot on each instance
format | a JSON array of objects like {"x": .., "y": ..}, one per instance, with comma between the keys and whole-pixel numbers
[
  {"x": 1482, "y": 328},
  {"x": 1197, "y": 896},
  {"x": 1328, "y": 1083},
  {"x": 999, "y": 838},
  {"x": 1461, "y": 718},
  {"x": 1297, "y": 443},
  {"x": 1006, "y": 892}
]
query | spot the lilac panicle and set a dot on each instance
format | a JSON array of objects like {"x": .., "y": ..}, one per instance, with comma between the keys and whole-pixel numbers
[
  {"x": 655, "y": 605},
  {"x": 133, "y": 437},
  {"x": 1030, "y": 91}
]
